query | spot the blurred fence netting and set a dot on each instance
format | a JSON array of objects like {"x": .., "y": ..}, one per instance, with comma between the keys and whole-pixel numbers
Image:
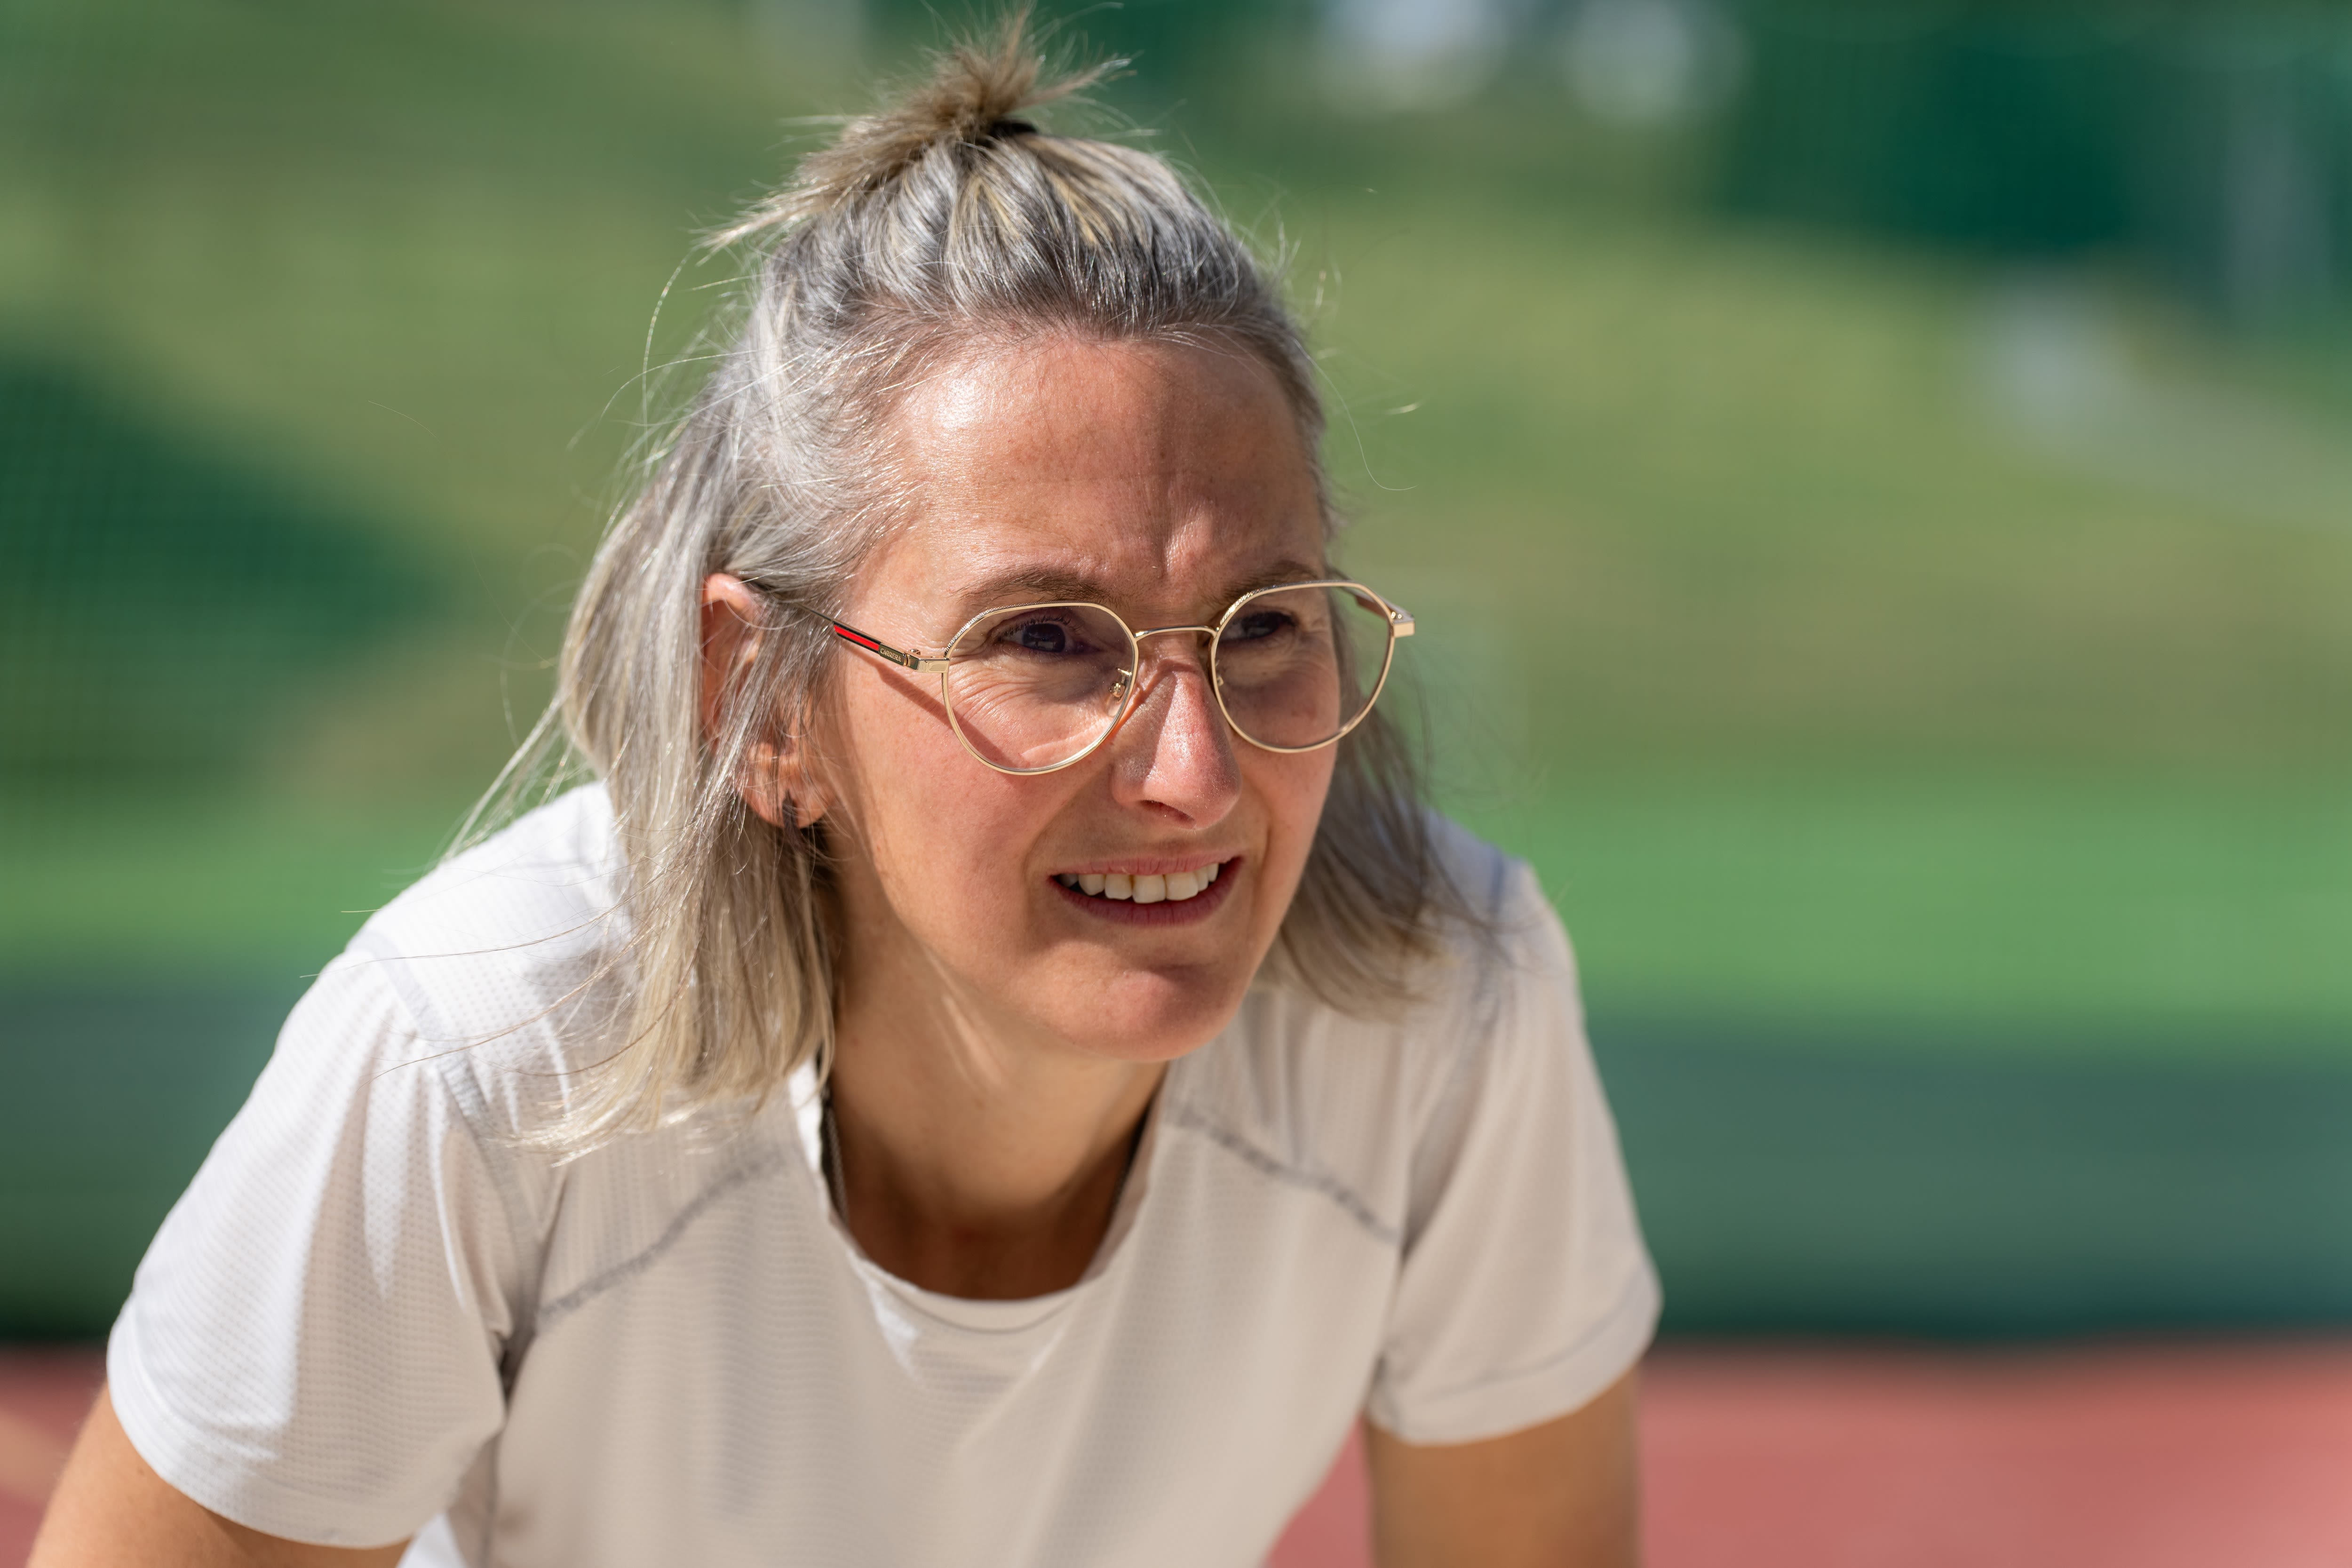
[{"x": 159, "y": 607}]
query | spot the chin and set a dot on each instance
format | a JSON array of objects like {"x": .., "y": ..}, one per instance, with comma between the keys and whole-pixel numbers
[{"x": 1156, "y": 1017}]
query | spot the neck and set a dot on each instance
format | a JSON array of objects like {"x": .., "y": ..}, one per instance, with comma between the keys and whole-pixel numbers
[{"x": 972, "y": 1162}]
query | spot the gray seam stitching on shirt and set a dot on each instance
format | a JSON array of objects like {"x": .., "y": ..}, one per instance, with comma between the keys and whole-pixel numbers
[
  {"x": 1266, "y": 1164},
  {"x": 571, "y": 1301},
  {"x": 474, "y": 1111}
]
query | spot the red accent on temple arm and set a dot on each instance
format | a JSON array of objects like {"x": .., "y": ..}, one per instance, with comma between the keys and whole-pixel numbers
[{"x": 870, "y": 644}]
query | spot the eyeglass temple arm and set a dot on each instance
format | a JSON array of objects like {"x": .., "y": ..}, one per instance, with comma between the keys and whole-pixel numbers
[{"x": 881, "y": 649}]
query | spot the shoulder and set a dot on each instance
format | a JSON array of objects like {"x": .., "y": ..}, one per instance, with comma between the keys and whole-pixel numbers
[
  {"x": 500, "y": 971},
  {"x": 1489, "y": 880},
  {"x": 1516, "y": 933},
  {"x": 540, "y": 889},
  {"x": 1505, "y": 952}
]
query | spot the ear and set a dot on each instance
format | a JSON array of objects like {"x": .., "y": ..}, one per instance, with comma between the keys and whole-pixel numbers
[{"x": 775, "y": 783}]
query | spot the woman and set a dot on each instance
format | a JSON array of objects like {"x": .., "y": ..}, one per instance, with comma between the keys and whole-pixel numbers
[{"x": 998, "y": 1068}]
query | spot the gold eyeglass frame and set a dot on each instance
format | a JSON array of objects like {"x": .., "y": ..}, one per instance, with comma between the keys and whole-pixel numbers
[{"x": 1400, "y": 625}]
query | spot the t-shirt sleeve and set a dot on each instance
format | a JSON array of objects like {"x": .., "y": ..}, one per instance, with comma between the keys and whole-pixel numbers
[
  {"x": 1524, "y": 1290},
  {"x": 311, "y": 1346}
]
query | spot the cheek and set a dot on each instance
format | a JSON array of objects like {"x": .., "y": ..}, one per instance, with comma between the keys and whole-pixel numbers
[
  {"x": 1294, "y": 789},
  {"x": 942, "y": 830}
]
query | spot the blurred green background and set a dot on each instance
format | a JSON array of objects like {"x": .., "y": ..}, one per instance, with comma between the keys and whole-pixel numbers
[{"x": 1875, "y": 480}]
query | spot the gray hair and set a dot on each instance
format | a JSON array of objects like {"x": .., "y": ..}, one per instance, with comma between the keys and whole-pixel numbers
[{"x": 938, "y": 227}]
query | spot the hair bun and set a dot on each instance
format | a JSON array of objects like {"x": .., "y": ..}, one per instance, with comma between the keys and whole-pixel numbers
[{"x": 972, "y": 95}]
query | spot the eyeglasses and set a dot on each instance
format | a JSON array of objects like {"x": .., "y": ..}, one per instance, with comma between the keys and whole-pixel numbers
[{"x": 1037, "y": 686}]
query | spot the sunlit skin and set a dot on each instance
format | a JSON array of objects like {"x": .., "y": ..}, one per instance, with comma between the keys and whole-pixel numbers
[
  {"x": 999, "y": 1037},
  {"x": 1167, "y": 480}
]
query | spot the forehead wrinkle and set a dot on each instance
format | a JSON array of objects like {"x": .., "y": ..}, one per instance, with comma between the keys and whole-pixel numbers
[
  {"x": 995, "y": 415},
  {"x": 1160, "y": 480}
]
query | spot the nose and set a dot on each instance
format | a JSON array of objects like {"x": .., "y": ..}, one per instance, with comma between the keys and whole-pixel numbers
[{"x": 1174, "y": 753}]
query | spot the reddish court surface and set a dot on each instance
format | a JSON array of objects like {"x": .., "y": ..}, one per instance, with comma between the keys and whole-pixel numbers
[
  {"x": 2137, "y": 1457},
  {"x": 43, "y": 1397},
  {"x": 2105, "y": 1456},
  {"x": 2123, "y": 1457}
]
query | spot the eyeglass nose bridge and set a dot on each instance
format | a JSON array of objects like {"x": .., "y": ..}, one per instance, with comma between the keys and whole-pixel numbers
[{"x": 1127, "y": 678}]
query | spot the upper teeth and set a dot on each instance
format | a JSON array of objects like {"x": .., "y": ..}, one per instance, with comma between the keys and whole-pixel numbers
[{"x": 1174, "y": 888}]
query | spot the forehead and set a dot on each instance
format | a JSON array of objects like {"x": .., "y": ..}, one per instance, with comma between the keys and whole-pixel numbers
[{"x": 1159, "y": 476}]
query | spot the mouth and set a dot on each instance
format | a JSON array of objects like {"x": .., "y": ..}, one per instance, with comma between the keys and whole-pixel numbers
[
  {"x": 1145, "y": 887},
  {"x": 1158, "y": 898}
]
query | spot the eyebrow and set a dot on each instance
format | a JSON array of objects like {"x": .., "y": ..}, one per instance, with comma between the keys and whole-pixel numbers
[{"x": 1040, "y": 584}]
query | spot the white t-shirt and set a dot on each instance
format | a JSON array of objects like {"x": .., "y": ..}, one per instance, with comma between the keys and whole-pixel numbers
[{"x": 375, "y": 1314}]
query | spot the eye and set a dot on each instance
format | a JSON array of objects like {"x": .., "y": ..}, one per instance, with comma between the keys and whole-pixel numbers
[
  {"x": 1043, "y": 637},
  {"x": 1259, "y": 624},
  {"x": 1046, "y": 634}
]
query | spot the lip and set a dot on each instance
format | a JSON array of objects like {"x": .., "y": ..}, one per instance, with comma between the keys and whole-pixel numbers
[{"x": 1127, "y": 912}]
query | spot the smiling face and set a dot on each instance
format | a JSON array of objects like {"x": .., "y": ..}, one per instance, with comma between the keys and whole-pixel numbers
[{"x": 1163, "y": 482}]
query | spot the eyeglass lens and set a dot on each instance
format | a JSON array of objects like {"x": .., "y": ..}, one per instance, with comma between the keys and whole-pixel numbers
[{"x": 1035, "y": 687}]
